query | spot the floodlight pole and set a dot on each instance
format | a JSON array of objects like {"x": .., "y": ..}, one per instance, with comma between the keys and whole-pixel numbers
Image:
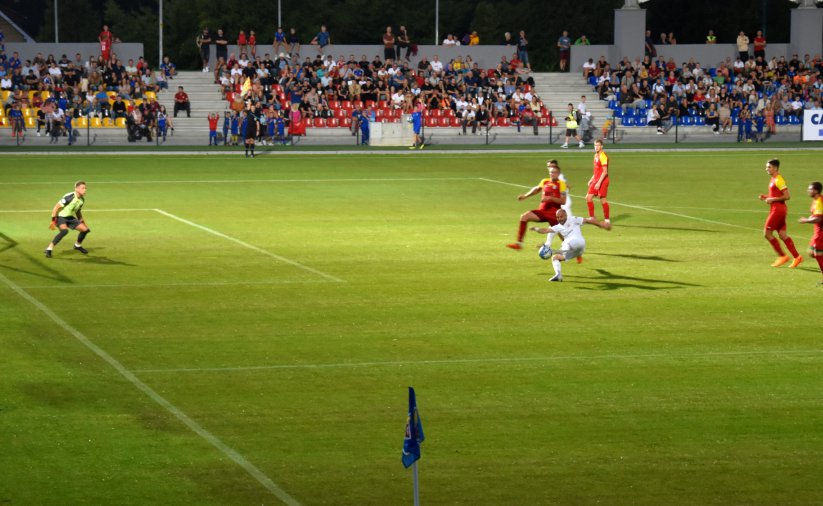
[
  {"x": 436, "y": 22},
  {"x": 279, "y": 21},
  {"x": 160, "y": 35},
  {"x": 56, "y": 28}
]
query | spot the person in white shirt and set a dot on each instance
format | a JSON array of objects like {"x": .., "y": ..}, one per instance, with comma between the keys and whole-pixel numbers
[
  {"x": 573, "y": 242},
  {"x": 581, "y": 107},
  {"x": 436, "y": 65}
]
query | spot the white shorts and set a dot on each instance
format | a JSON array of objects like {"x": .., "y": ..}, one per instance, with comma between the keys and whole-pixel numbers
[{"x": 572, "y": 249}]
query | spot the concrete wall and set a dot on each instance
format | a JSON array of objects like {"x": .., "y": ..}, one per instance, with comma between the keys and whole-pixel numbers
[
  {"x": 708, "y": 55},
  {"x": 807, "y": 25},
  {"x": 485, "y": 56},
  {"x": 27, "y": 51}
]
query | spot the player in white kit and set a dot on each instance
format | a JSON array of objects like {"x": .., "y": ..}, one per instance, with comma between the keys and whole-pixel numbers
[{"x": 574, "y": 244}]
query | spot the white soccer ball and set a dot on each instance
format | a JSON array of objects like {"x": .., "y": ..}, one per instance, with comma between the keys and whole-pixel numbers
[{"x": 545, "y": 252}]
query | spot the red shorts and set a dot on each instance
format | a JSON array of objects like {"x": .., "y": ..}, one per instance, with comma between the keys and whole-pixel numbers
[
  {"x": 816, "y": 245},
  {"x": 547, "y": 215},
  {"x": 777, "y": 219},
  {"x": 604, "y": 189}
]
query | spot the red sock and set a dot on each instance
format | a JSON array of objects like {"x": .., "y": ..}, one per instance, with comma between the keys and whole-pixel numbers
[
  {"x": 776, "y": 245},
  {"x": 590, "y": 205},
  {"x": 790, "y": 246},
  {"x": 820, "y": 262},
  {"x": 521, "y": 231},
  {"x": 605, "y": 210}
]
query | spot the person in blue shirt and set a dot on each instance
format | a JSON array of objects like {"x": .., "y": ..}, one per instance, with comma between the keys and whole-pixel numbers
[
  {"x": 162, "y": 123},
  {"x": 17, "y": 122},
  {"x": 226, "y": 127},
  {"x": 760, "y": 122},
  {"x": 235, "y": 128},
  {"x": 364, "y": 127},
  {"x": 68, "y": 124},
  {"x": 417, "y": 125},
  {"x": 322, "y": 39},
  {"x": 281, "y": 128}
]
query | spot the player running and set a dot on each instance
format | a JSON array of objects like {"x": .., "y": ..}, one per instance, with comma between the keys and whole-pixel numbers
[
  {"x": 573, "y": 242},
  {"x": 599, "y": 182},
  {"x": 553, "y": 196},
  {"x": 67, "y": 214},
  {"x": 816, "y": 218},
  {"x": 776, "y": 221}
]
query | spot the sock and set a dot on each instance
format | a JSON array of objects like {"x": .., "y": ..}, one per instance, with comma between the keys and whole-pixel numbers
[
  {"x": 59, "y": 237},
  {"x": 252, "y": 149},
  {"x": 590, "y": 205},
  {"x": 820, "y": 262},
  {"x": 80, "y": 237},
  {"x": 556, "y": 265},
  {"x": 790, "y": 246},
  {"x": 776, "y": 245},
  {"x": 247, "y": 150},
  {"x": 521, "y": 231},
  {"x": 605, "y": 210},
  {"x": 550, "y": 238}
]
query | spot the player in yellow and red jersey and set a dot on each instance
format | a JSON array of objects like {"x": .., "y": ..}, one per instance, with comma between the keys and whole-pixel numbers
[
  {"x": 599, "y": 183},
  {"x": 553, "y": 196},
  {"x": 816, "y": 217},
  {"x": 776, "y": 222}
]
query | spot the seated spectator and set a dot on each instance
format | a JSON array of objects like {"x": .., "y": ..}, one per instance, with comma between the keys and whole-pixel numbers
[
  {"x": 713, "y": 118},
  {"x": 168, "y": 68},
  {"x": 118, "y": 108},
  {"x": 181, "y": 102},
  {"x": 588, "y": 68},
  {"x": 653, "y": 118}
]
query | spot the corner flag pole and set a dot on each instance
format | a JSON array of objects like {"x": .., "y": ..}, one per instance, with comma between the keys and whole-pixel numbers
[{"x": 416, "y": 486}]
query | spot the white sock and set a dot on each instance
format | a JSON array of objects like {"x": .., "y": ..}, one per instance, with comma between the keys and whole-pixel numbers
[
  {"x": 556, "y": 265},
  {"x": 77, "y": 245}
]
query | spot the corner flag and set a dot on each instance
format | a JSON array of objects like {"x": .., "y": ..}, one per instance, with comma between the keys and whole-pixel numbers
[{"x": 414, "y": 433}]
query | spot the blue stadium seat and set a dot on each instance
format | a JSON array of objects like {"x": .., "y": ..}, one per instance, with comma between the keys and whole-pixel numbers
[
  {"x": 628, "y": 121},
  {"x": 612, "y": 104},
  {"x": 735, "y": 120},
  {"x": 640, "y": 121},
  {"x": 713, "y": 72},
  {"x": 618, "y": 112},
  {"x": 629, "y": 113},
  {"x": 648, "y": 103},
  {"x": 700, "y": 121},
  {"x": 687, "y": 121},
  {"x": 794, "y": 120},
  {"x": 781, "y": 120},
  {"x": 592, "y": 81}
]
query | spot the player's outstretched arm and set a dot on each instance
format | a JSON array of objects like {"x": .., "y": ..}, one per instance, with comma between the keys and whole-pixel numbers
[
  {"x": 598, "y": 223},
  {"x": 539, "y": 230},
  {"x": 529, "y": 193}
]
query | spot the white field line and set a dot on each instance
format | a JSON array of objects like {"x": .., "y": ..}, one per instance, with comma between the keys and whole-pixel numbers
[
  {"x": 642, "y": 208},
  {"x": 403, "y": 363},
  {"x": 242, "y": 181},
  {"x": 156, "y": 397},
  {"x": 174, "y": 285},
  {"x": 250, "y": 246},
  {"x": 95, "y": 210}
]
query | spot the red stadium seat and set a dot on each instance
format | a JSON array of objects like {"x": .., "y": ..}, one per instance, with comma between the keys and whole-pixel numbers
[
  {"x": 333, "y": 122},
  {"x": 437, "y": 113},
  {"x": 543, "y": 121},
  {"x": 346, "y": 104},
  {"x": 382, "y": 104},
  {"x": 334, "y": 104},
  {"x": 503, "y": 121},
  {"x": 380, "y": 113},
  {"x": 358, "y": 103},
  {"x": 455, "y": 122},
  {"x": 370, "y": 104},
  {"x": 320, "y": 122},
  {"x": 449, "y": 113},
  {"x": 444, "y": 122},
  {"x": 431, "y": 122},
  {"x": 346, "y": 122}
]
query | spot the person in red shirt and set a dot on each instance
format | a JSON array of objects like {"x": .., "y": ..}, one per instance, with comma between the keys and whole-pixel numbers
[
  {"x": 241, "y": 42},
  {"x": 816, "y": 218},
  {"x": 760, "y": 46},
  {"x": 106, "y": 40},
  {"x": 181, "y": 102},
  {"x": 252, "y": 42},
  {"x": 213, "y": 119},
  {"x": 776, "y": 222},
  {"x": 553, "y": 196},
  {"x": 599, "y": 182}
]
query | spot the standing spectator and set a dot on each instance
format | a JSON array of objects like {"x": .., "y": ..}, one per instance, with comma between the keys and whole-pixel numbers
[
  {"x": 572, "y": 122},
  {"x": 743, "y": 46},
  {"x": 564, "y": 45},
  {"x": 203, "y": 40},
  {"x": 106, "y": 40},
  {"x": 474, "y": 39},
  {"x": 651, "y": 51},
  {"x": 388, "y": 45},
  {"x": 322, "y": 39},
  {"x": 279, "y": 45},
  {"x": 507, "y": 40},
  {"x": 213, "y": 119},
  {"x": 221, "y": 45},
  {"x": 672, "y": 40},
  {"x": 181, "y": 102},
  {"x": 252, "y": 42},
  {"x": 403, "y": 42},
  {"x": 582, "y": 41},
  {"x": 711, "y": 38},
  {"x": 241, "y": 42},
  {"x": 664, "y": 39},
  {"x": 294, "y": 44},
  {"x": 523, "y": 50},
  {"x": 760, "y": 46}
]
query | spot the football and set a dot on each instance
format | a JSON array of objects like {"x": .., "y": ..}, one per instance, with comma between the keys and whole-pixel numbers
[{"x": 545, "y": 252}]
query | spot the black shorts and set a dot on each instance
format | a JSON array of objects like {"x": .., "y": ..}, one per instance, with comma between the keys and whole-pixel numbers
[
  {"x": 571, "y": 132},
  {"x": 69, "y": 221}
]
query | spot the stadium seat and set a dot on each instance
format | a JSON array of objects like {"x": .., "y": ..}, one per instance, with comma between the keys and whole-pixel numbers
[
  {"x": 346, "y": 122},
  {"x": 5, "y": 95},
  {"x": 334, "y": 104},
  {"x": 612, "y": 104},
  {"x": 628, "y": 121},
  {"x": 96, "y": 123},
  {"x": 2, "y": 112},
  {"x": 456, "y": 122},
  {"x": 437, "y": 113},
  {"x": 543, "y": 121},
  {"x": 618, "y": 113},
  {"x": 736, "y": 120},
  {"x": 108, "y": 123},
  {"x": 448, "y": 113},
  {"x": 700, "y": 121},
  {"x": 357, "y": 103},
  {"x": 640, "y": 121},
  {"x": 31, "y": 122},
  {"x": 4, "y": 122},
  {"x": 120, "y": 122},
  {"x": 432, "y": 121},
  {"x": 319, "y": 122},
  {"x": 687, "y": 121},
  {"x": 345, "y": 104},
  {"x": 370, "y": 104},
  {"x": 152, "y": 95},
  {"x": 794, "y": 120},
  {"x": 503, "y": 121},
  {"x": 30, "y": 112},
  {"x": 380, "y": 113},
  {"x": 341, "y": 113},
  {"x": 382, "y": 104},
  {"x": 592, "y": 81},
  {"x": 629, "y": 113},
  {"x": 443, "y": 122},
  {"x": 81, "y": 122},
  {"x": 333, "y": 122},
  {"x": 780, "y": 120}
]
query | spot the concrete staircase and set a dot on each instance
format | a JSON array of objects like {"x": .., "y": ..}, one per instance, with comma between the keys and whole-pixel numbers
[
  {"x": 557, "y": 90},
  {"x": 204, "y": 97}
]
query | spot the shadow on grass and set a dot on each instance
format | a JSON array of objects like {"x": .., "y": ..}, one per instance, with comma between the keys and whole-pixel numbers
[
  {"x": 635, "y": 257},
  {"x": 51, "y": 273},
  {"x": 611, "y": 281},
  {"x": 623, "y": 217}
]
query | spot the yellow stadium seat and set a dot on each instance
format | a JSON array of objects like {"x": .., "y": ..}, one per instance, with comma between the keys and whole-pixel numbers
[
  {"x": 138, "y": 102},
  {"x": 5, "y": 94},
  {"x": 108, "y": 122},
  {"x": 120, "y": 122},
  {"x": 96, "y": 123},
  {"x": 81, "y": 122},
  {"x": 152, "y": 95},
  {"x": 31, "y": 122},
  {"x": 30, "y": 112},
  {"x": 2, "y": 112},
  {"x": 4, "y": 122}
]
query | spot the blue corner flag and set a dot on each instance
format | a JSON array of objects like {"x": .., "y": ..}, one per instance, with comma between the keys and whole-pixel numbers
[{"x": 414, "y": 433}]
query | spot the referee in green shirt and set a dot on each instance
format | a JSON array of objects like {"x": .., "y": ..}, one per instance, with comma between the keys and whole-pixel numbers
[{"x": 68, "y": 214}]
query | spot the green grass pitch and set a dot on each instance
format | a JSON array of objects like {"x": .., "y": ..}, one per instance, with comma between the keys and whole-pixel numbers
[{"x": 257, "y": 323}]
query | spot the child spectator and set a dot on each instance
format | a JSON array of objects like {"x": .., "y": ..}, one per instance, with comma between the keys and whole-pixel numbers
[
  {"x": 168, "y": 68},
  {"x": 235, "y": 128},
  {"x": 213, "y": 118},
  {"x": 226, "y": 127},
  {"x": 241, "y": 42},
  {"x": 252, "y": 42}
]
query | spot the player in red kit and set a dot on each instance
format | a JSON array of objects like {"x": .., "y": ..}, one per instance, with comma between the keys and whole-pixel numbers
[
  {"x": 553, "y": 192},
  {"x": 776, "y": 222},
  {"x": 816, "y": 218},
  {"x": 599, "y": 183}
]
